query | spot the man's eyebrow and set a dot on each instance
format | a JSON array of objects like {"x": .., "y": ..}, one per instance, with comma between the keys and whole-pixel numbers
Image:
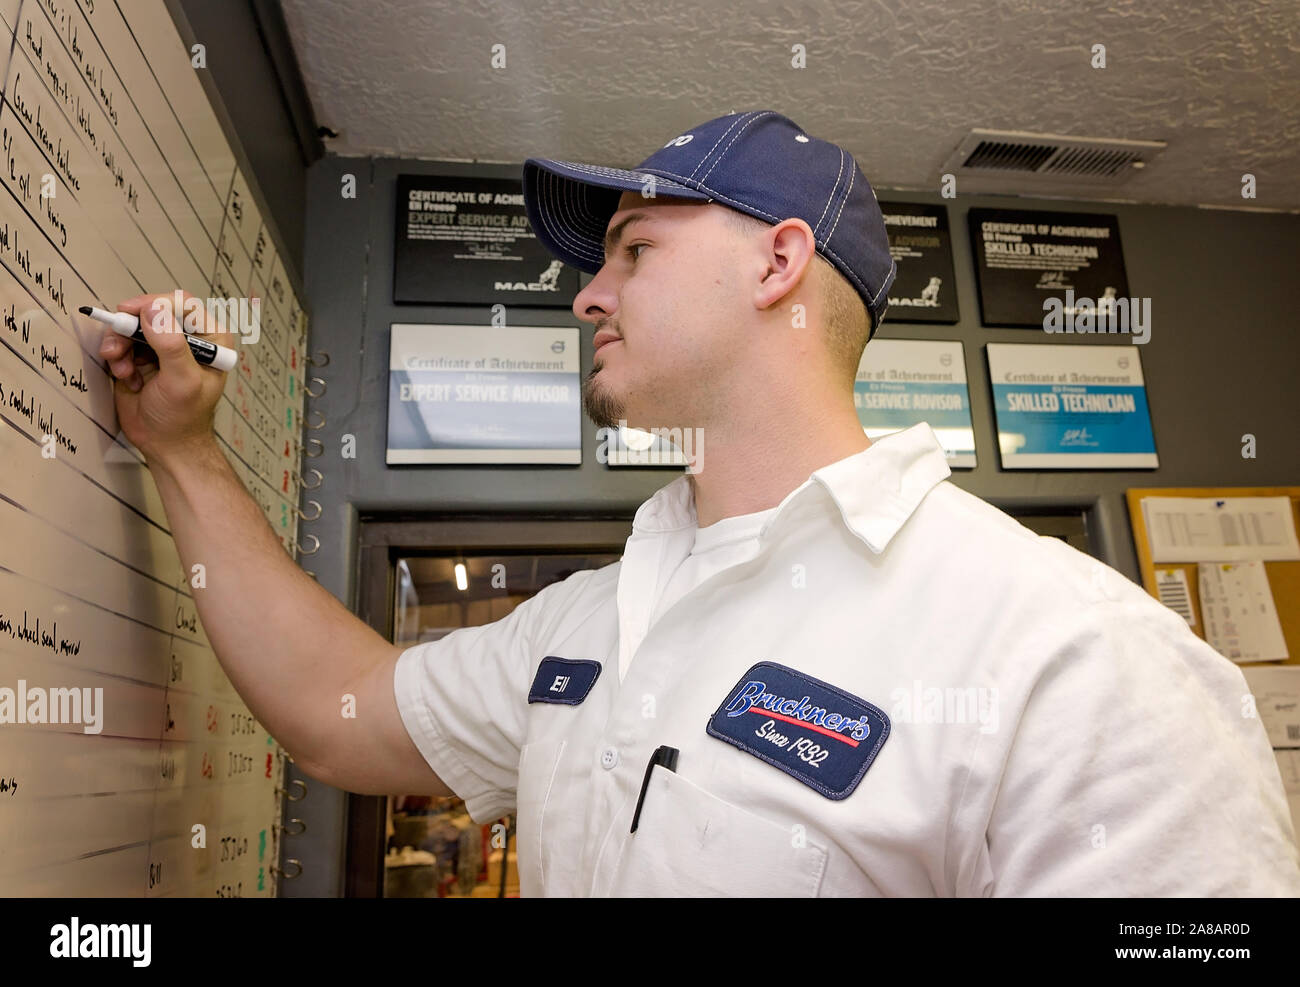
[{"x": 613, "y": 236}]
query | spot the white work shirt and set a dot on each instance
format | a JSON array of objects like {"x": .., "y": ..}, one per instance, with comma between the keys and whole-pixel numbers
[
  {"x": 717, "y": 546},
  {"x": 1052, "y": 729}
]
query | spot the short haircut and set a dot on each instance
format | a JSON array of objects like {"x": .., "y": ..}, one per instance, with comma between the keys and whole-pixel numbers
[{"x": 848, "y": 324}]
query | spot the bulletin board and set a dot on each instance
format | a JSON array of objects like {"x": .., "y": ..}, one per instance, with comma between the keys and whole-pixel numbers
[{"x": 1283, "y": 577}]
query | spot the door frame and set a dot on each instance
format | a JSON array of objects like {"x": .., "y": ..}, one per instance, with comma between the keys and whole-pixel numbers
[{"x": 385, "y": 538}]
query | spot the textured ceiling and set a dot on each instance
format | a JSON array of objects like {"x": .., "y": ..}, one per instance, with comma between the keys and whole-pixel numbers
[{"x": 897, "y": 82}]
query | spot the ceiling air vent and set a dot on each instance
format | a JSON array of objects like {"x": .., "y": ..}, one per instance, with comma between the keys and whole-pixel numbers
[{"x": 1016, "y": 161}]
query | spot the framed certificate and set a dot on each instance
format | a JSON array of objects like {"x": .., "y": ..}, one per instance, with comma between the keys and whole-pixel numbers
[
  {"x": 483, "y": 394},
  {"x": 1070, "y": 407},
  {"x": 902, "y": 382},
  {"x": 1025, "y": 257},
  {"x": 461, "y": 240},
  {"x": 925, "y": 288}
]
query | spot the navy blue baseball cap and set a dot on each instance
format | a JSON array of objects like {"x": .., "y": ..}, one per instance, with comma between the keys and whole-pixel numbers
[{"x": 758, "y": 162}]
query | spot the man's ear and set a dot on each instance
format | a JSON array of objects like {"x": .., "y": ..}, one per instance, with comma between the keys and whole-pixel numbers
[{"x": 790, "y": 254}]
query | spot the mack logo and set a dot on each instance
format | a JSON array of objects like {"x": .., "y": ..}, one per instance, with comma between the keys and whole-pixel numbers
[
  {"x": 929, "y": 297},
  {"x": 548, "y": 281},
  {"x": 523, "y": 286}
]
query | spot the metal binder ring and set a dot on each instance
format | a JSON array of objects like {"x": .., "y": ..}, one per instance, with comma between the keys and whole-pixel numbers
[
  {"x": 306, "y": 450},
  {"x": 315, "y": 411},
  {"x": 314, "y": 549},
  {"x": 314, "y": 362},
  {"x": 302, "y": 827},
  {"x": 302, "y": 482},
  {"x": 285, "y": 791},
  {"x": 314, "y": 516},
  {"x": 286, "y": 874},
  {"x": 315, "y": 394}
]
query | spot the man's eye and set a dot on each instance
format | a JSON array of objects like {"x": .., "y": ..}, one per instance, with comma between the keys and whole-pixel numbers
[{"x": 632, "y": 246}]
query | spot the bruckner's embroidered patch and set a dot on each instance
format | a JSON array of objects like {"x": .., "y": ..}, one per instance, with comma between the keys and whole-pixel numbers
[
  {"x": 824, "y": 736},
  {"x": 563, "y": 680}
]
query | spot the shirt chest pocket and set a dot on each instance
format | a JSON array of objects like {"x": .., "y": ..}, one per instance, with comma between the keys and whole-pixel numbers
[{"x": 689, "y": 842}]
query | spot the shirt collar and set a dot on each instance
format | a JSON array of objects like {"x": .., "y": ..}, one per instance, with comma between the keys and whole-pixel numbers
[{"x": 876, "y": 490}]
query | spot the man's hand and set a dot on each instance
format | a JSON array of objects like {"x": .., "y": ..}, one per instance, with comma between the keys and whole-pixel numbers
[{"x": 165, "y": 403}]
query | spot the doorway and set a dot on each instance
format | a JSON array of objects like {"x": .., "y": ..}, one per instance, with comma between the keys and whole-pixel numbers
[{"x": 421, "y": 579}]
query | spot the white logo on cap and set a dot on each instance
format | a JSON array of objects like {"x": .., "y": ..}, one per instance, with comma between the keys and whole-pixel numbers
[
  {"x": 801, "y": 138},
  {"x": 679, "y": 141}
]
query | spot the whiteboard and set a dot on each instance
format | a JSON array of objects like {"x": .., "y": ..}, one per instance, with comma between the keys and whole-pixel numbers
[{"x": 112, "y": 793}]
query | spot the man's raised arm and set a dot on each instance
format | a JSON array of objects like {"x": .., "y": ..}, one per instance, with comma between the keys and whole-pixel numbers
[{"x": 291, "y": 649}]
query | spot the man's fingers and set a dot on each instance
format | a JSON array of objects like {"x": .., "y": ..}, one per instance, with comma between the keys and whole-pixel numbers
[
  {"x": 165, "y": 323},
  {"x": 227, "y": 322},
  {"x": 125, "y": 385},
  {"x": 122, "y": 355},
  {"x": 112, "y": 345},
  {"x": 164, "y": 332},
  {"x": 134, "y": 305}
]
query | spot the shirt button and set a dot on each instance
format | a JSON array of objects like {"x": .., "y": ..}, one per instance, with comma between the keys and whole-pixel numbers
[{"x": 608, "y": 758}]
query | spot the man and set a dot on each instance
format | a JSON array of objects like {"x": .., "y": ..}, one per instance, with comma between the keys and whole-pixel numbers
[{"x": 819, "y": 668}]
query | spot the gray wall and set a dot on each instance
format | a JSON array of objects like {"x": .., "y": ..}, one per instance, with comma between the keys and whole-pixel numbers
[{"x": 1220, "y": 363}]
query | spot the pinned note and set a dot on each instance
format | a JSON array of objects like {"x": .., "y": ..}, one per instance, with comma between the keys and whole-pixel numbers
[
  {"x": 1240, "y": 617},
  {"x": 1171, "y": 588},
  {"x": 1225, "y": 529},
  {"x": 1277, "y": 702}
]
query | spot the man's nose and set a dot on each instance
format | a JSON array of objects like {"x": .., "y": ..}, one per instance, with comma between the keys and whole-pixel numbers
[{"x": 597, "y": 300}]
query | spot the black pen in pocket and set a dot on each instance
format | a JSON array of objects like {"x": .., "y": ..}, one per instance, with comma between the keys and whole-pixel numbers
[{"x": 663, "y": 756}]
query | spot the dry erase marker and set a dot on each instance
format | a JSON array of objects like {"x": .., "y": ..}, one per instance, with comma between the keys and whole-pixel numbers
[{"x": 124, "y": 324}]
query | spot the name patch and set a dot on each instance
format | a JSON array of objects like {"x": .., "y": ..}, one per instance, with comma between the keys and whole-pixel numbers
[
  {"x": 563, "y": 680},
  {"x": 821, "y": 735}
]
